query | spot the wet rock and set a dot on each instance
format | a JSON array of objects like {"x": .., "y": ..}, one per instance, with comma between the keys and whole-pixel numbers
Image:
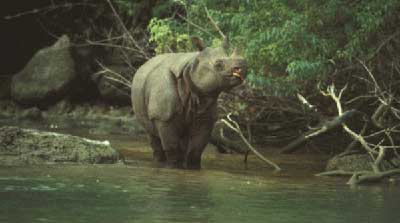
[
  {"x": 354, "y": 162},
  {"x": 47, "y": 77},
  {"x": 23, "y": 146}
]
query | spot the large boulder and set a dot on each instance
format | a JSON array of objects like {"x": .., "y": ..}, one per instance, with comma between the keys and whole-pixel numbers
[
  {"x": 47, "y": 77},
  {"x": 5, "y": 83},
  {"x": 23, "y": 146}
]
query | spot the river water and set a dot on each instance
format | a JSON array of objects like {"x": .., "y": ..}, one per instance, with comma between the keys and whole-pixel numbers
[{"x": 225, "y": 190}]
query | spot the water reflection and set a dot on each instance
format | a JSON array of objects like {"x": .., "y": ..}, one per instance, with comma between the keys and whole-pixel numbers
[{"x": 179, "y": 197}]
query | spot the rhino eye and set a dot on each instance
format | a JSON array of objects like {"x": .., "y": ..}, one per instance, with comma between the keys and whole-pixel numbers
[{"x": 219, "y": 65}]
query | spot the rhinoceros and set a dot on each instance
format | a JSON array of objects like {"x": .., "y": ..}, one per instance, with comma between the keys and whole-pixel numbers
[{"x": 174, "y": 97}]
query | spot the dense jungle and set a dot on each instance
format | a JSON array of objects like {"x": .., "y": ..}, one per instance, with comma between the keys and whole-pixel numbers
[{"x": 312, "y": 131}]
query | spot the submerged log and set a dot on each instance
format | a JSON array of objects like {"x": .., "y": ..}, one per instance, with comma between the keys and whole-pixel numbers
[{"x": 361, "y": 178}]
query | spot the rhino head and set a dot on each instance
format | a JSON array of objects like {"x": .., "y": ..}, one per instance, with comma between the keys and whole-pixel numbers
[{"x": 213, "y": 70}]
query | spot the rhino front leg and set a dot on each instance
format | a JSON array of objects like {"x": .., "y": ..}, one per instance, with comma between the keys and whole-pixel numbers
[
  {"x": 170, "y": 142},
  {"x": 197, "y": 142}
]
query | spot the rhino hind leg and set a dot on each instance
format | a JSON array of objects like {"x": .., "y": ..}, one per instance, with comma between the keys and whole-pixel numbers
[
  {"x": 158, "y": 152},
  {"x": 170, "y": 142}
]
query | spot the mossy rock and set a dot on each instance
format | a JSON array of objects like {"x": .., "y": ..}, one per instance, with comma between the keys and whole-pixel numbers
[
  {"x": 47, "y": 77},
  {"x": 24, "y": 146}
]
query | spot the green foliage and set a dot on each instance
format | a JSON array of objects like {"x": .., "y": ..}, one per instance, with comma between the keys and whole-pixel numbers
[
  {"x": 292, "y": 41},
  {"x": 166, "y": 39}
]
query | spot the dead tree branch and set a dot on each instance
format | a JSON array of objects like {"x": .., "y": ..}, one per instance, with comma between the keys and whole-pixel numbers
[
  {"x": 236, "y": 128},
  {"x": 376, "y": 151},
  {"x": 323, "y": 128},
  {"x": 115, "y": 77},
  {"x": 364, "y": 177},
  {"x": 214, "y": 24},
  {"x": 127, "y": 32},
  {"x": 331, "y": 93},
  {"x": 223, "y": 143}
]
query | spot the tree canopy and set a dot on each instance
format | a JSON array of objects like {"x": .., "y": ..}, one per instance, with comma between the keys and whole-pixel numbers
[{"x": 293, "y": 43}]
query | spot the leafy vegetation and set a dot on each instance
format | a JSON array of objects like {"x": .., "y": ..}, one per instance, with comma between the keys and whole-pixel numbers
[{"x": 288, "y": 43}]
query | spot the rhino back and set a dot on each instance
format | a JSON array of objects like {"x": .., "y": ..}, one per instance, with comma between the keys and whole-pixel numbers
[{"x": 154, "y": 92}]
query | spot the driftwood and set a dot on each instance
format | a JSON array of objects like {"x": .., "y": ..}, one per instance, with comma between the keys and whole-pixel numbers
[
  {"x": 337, "y": 173},
  {"x": 350, "y": 148},
  {"x": 235, "y": 127},
  {"x": 224, "y": 144},
  {"x": 376, "y": 151},
  {"x": 324, "y": 127},
  {"x": 361, "y": 177}
]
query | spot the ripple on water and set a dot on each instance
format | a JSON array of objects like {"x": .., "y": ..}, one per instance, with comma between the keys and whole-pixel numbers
[
  {"x": 40, "y": 187},
  {"x": 14, "y": 178}
]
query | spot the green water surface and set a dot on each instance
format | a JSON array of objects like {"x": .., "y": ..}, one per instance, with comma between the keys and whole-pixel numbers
[
  {"x": 223, "y": 191},
  {"x": 119, "y": 194}
]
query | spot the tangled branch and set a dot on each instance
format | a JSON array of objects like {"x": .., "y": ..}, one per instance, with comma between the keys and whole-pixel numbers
[
  {"x": 376, "y": 151},
  {"x": 236, "y": 128}
]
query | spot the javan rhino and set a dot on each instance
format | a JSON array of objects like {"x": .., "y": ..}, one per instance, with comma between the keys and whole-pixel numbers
[{"x": 174, "y": 97}]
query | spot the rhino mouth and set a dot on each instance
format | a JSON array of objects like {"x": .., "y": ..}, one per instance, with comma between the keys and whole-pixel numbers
[{"x": 237, "y": 72}]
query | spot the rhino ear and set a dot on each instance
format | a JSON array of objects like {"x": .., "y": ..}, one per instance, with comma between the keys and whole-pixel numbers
[{"x": 198, "y": 43}]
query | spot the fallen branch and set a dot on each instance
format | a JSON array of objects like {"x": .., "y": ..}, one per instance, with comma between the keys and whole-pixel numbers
[
  {"x": 365, "y": 177},
  {"x": 379, "y": 115},
  {"x": 350, "y": 148},
  {"x": 331, "y": 92},
  {"x": 324, "y": 127},
  {"x": 223, "y": 143},
  {"x": 305, "y": 103},
  {"x": 360, "y": 177},
  {"x": 337, "y": 173},
  {"x": 235, "y": 127}
]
